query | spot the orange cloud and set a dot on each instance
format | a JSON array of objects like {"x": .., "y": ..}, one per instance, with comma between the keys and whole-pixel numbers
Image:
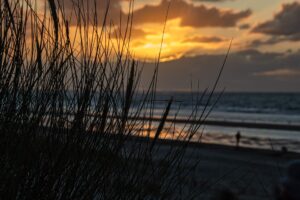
[{"x": 189, "y": 14}]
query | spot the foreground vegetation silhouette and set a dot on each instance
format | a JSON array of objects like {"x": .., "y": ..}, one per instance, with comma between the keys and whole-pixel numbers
[{"x": 72, "y": 120}]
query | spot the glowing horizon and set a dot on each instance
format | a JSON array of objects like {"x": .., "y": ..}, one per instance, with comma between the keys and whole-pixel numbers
[{"x": 265, "y": 49}]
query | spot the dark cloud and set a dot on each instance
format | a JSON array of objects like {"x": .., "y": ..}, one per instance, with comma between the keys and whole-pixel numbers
[
  {"x": 91, "y": 8},
  {"x": 284, "y": 24},
  {"x": 286, "y": 72},
  {"x": 273, "y": 40},
  {"x": 248, "y": 70},
  {"x": 212, "y": 1},
  {"x": 190, "y": 14},
  {"x": 244, "y": 26},
  {"x": 204, "y": 39},
  {"x": 134, "y": 33}
]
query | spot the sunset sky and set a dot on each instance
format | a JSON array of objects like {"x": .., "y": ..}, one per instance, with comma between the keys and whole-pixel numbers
[{"x": 265, "y": 54}]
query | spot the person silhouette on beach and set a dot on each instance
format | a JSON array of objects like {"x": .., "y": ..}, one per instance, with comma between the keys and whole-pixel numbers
[{"x": 238, "y": 137}]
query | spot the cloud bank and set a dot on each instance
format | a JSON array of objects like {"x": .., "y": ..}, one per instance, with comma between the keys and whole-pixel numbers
[
  {"x": 284, "y": 25},
  {"x": 190, "y": 14},
  {"x": 248, "y": 70}
]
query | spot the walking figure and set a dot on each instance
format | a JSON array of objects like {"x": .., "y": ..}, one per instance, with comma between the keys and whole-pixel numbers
[{"x": 238, "y": 137}]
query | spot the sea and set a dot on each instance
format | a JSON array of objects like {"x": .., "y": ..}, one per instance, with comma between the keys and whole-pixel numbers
[{"x": 271, "y": 108}]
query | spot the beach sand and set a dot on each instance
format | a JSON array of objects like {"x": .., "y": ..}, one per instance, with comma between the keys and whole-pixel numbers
[{"x": 249, "y": 173}]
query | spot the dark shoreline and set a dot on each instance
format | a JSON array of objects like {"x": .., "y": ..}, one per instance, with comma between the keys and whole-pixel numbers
[
  {"x": 286, "y": 127},
  {"x": 239, "y": 124}
]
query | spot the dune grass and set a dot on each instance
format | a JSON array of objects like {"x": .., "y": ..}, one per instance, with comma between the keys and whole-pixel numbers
[{"x": 69, "y": 124}]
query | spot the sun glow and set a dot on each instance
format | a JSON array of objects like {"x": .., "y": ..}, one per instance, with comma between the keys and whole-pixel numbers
[{"x": 172, "y": 44}]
